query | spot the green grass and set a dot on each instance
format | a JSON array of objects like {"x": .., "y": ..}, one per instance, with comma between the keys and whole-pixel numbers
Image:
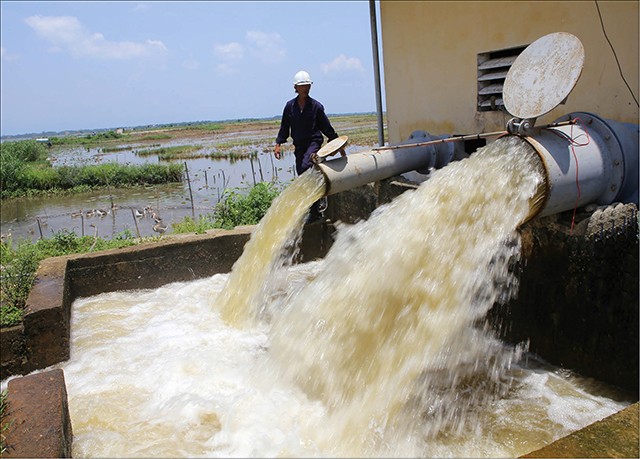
[
  {"x": 86, "y": 140},
  {"x": 106, "y": 138},
  {"x": 236, "y": 208},
  {"x": 206, "y": 126},
  {"x": 19, "y": 262},
  {"x": 241, "y": 208},
  {"x": 156, "y": 137},
  {"x": 235, "y": 154},
  {"x": 25, "y": 172},
  {"x": 191, "y": 225},
  {"x": 115, "y": 149},
  {"x": 174, "y": 152}
]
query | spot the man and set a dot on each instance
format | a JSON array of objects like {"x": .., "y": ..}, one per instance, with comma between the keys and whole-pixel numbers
[{"x": 305, "y": 120}]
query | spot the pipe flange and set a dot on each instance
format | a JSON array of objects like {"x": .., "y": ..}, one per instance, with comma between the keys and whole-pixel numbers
[{"x": 608, "y": 137}]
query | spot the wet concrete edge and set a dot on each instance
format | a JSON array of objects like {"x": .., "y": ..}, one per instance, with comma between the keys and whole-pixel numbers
[
  {"x": 38, "y": 420},
  {"x": 613, "y": 436}
]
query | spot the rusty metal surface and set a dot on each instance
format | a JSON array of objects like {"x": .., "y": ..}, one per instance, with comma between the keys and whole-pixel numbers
[{"x": 543, "y": 75}]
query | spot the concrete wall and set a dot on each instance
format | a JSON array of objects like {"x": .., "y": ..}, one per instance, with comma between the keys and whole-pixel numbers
[
  {"x": 577, "y": 303},
  {"x": 430, "y": 54},
  {"x": 37, "y": 420},
  {"x": 614, "y": 436}
]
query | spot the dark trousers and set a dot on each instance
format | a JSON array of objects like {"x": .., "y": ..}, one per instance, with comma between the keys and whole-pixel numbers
[{"x": 303, "y": 155}]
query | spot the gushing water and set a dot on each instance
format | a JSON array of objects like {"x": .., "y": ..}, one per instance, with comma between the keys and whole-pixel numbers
[
  {"x": 378, "y": 350},
  {"x": 394, "y": 307},
  {"x": 281, "y": 225}
]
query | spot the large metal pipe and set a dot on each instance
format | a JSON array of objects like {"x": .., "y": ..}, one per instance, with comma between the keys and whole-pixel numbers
[
  {"x": 591, "y": 161},
  {"x": 358, "y": 169}
]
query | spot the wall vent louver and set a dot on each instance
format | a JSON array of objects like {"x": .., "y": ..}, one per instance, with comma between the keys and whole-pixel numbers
[{"x": 492, "y": 71}]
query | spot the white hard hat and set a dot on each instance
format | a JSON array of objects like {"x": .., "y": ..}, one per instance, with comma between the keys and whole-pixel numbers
[{"x": 302, "y": 77}]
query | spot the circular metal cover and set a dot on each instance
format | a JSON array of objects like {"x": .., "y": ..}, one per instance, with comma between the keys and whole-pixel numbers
[
  {"x": 332, "y": 147},
  {"x": 543, "y": 75}
]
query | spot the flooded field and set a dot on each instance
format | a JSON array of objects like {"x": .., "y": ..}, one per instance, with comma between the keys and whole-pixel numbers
[{"x": 109, "y": 212}]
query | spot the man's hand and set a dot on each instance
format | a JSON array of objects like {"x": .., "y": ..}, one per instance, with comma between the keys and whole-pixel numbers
[{"x": 276, "y": 151}]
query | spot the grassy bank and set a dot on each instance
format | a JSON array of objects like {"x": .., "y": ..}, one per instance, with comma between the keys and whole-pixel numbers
[
  {"x": 25, "y": 171},
  {"x": 19, "y": 262}
]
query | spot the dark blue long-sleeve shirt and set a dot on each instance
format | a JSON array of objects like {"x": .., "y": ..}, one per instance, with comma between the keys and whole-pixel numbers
[{"x": 304, "y": 126}]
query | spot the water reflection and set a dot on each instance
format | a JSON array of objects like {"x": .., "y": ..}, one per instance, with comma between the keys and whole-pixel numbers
[
  {"x": 37, "y": 217},
  {"x": 209, "y": 178}
]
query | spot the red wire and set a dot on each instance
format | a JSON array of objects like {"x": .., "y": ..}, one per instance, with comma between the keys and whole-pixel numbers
[{"x": 574, "y": 143}]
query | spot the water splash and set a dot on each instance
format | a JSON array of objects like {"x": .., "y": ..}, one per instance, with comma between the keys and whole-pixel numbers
[
  {"x": 156, "y": 373},
  {"x": 278, "y": 229},
  {"x": 398, "y": 296}
]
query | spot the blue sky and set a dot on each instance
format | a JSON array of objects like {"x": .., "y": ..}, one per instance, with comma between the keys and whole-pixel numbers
[{"x": 93, "y": 65}]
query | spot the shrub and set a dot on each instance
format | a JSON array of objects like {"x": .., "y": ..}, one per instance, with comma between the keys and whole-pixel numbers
[
  {"x": 189, "y": 225},
  {"x": 239, "y": 209},
  {"x": 19, "y": 265},
  {"x": 24, "y": 150},
  {"x": 13, "y": 159},
  {"x": 17, "y": 277}
]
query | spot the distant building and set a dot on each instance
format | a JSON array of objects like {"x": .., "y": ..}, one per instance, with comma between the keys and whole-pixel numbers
[{"x": 45, "y": 140}]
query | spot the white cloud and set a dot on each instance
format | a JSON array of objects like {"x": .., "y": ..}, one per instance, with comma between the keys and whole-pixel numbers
[
  {"x": 229, "y": 51},
  {"x": 268, "y": 47},
  {"x": 263, "y": 46},
  {"x": 341, "y": 65},
  {"x": 66, "y": 33},
  {"x": 56, "y": 29}
]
